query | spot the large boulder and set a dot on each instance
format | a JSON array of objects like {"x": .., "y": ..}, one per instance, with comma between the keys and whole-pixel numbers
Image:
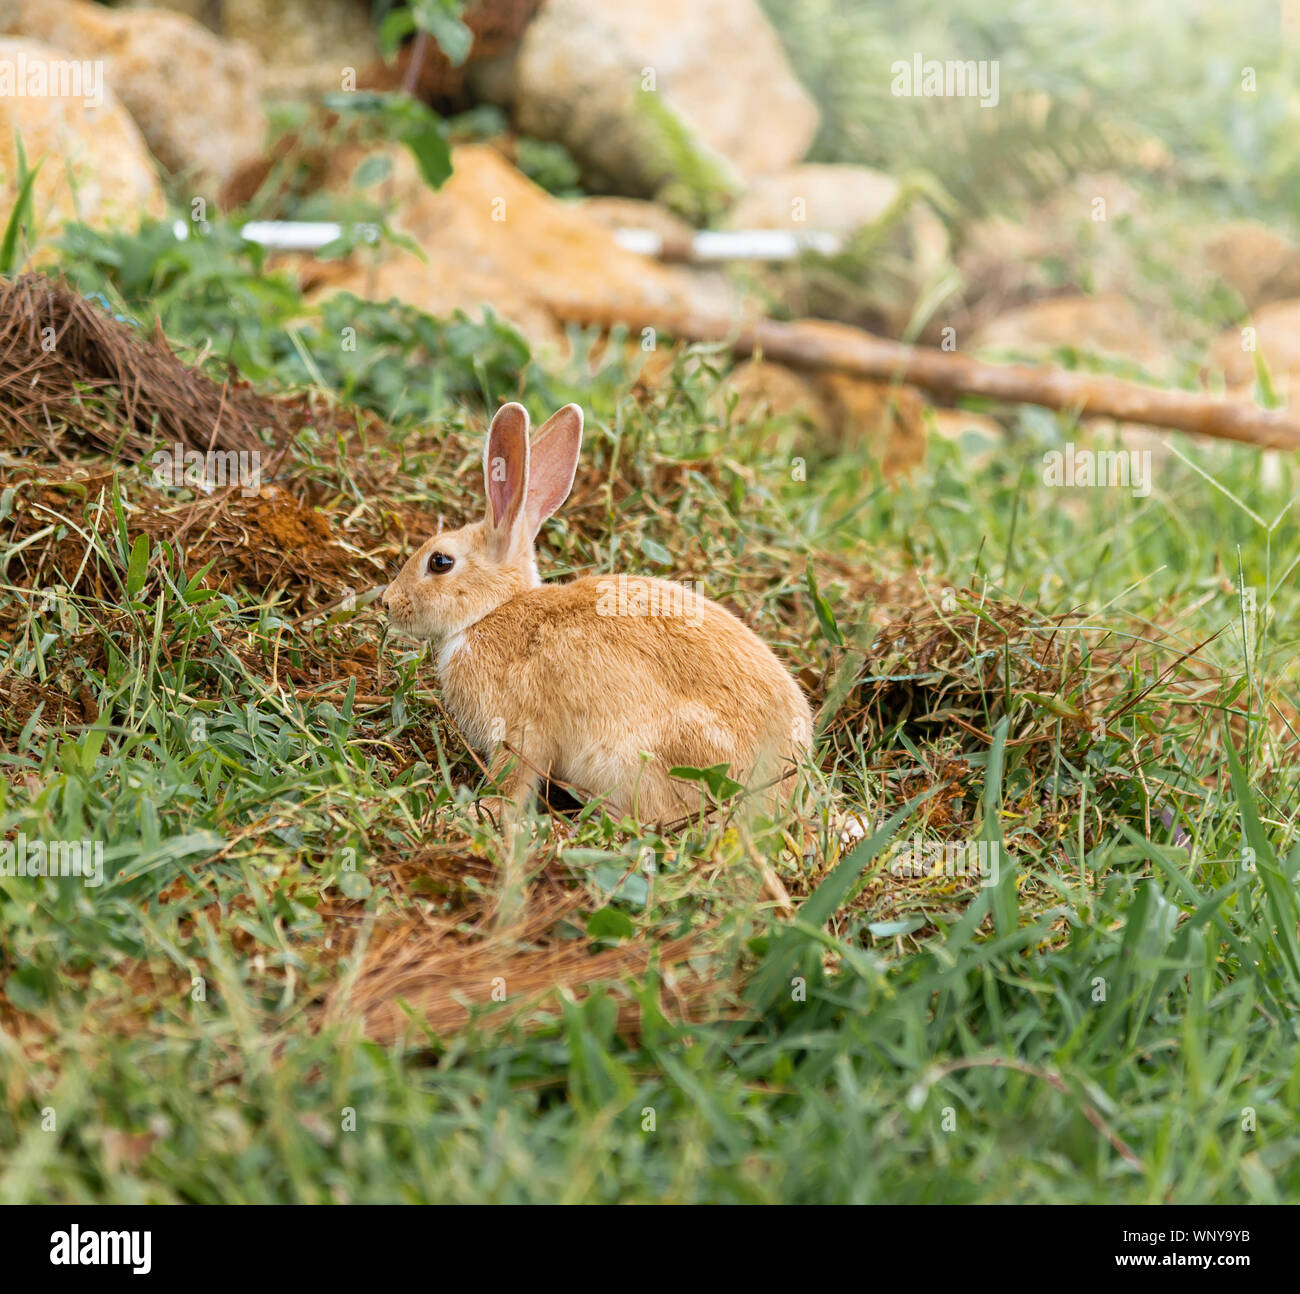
[
  {"x": 1106, "y": 326},
  {"x": 876, "y": 283},
  {"x": 94, "y": 166},
  {"x": 635, "y": 213},
  {"x": 308, "y": 45},
  {"x": 305, "y": 44},
  {"x": 760, "y": 391},
  {"x": 816, "y": 195},
  {"x": 194, "y": 96},
  {"x": 837, "y": 410},
  {"x": 888, "y": 418},
  {"x": 1273, "y": 332},
  {"x": 1258, "y": 264},
  {"x": 490, "y": 237},
  {"x": 646, "y": 94}
]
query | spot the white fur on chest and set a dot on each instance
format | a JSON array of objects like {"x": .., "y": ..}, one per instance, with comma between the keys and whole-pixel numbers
[
  {"x": 468, "y": 706},
  {"x": 449, "y": 649}
]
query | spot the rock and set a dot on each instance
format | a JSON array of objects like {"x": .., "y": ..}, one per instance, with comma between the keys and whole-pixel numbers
[
  {"x": 891, "y": 419},
  {"x": 708, "y": 285},
  {"x": 306, "y": 45},
  {"x": 193, "y": 95},
  {"x": 978, "y": 438},
  {"x": 830, "y": 196},
  {"x": 492, "y": 237},
  {"x": 96, "y": 167},
  {"x": 888, "y": 417},
  {"x": 765, "y": 391},
  {"x": 644, "y": 94},
  {"x": 1273, "y": 331},
  {"x": 1259, "y": 265},
  {"x": 878, "y": 288},
  {"x": 290, "y": 32},
  {"x": 964, "y": 427},
  {"x": 954, "y": 424},
  {"x": 839, "y": 409},
  {"x": 1108, "y": 326},
  {"x": 633, "y": 213}
]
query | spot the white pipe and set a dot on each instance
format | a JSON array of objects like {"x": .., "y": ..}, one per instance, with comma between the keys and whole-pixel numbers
[
  {"x": 292, "y": 235},
  {"x": 707, "y": 245}
]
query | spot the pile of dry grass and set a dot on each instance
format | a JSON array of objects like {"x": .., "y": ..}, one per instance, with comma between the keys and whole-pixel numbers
[
  {"x": 444, "y": 968},
  {"x": 965, "y": 669},
  {"x": 68, "y": 365}
]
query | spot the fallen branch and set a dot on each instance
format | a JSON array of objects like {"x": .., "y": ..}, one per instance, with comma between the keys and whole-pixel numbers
[{"x": 817, "y": 344}]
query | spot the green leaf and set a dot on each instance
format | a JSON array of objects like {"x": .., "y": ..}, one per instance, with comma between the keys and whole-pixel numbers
[
  {"x": 393, "y": 30},
  {"x": 372, "y": 171},
  {"x": 617, "y": 881},
  {"x": 1279, "y": 892},
  {"x": 432, "y": 155},
  {"x": 119, "y": 515},
  {"x": 25, "y": 989},
  {"x": 773, "y": 976},
  {"x": 1266, "y": 392},
  {"x": 441, "y": 19},
  {"x": 715, "y": 778},
  {"x": 1005, "y": 897},
  {"x": 888, "y": 929},
  {"x": 92, "y": 743},
  {"x": 355, "y": 885},
  {"x": 138, "y": 567},
  {"x": 406, "y": 119},
  {"x": 656, "y": 552},
  {"x": 825, "y": 616},
  {"x": 610, "y": 923},
  {"x": 22, "y": 215}
]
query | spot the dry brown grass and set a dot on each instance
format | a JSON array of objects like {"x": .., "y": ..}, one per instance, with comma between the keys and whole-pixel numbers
[{"x": 65, "y": 364}]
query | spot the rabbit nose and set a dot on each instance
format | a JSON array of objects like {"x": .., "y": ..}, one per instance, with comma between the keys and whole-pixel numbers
[{"x": 388, "y": 593}]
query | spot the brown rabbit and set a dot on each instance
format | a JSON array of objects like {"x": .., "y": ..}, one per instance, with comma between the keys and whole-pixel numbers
[{"x": 605, "y": 683}]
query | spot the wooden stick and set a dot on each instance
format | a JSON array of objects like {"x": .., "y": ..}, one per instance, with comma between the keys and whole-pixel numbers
[{"x": 818, "y": 344}]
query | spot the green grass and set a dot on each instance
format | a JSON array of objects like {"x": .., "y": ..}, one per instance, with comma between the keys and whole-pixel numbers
[
  {"x": 1080, "y": 89},
  {"x": 1115, "y": 1020}
]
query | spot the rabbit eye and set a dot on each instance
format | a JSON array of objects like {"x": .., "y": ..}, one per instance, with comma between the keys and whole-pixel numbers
[{"x": 440, "y": 563}]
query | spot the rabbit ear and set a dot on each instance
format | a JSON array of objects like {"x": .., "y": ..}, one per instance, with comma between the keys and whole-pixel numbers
[
  {"x": 505, "y": 473},
  {"x": 554, "y": 460}
]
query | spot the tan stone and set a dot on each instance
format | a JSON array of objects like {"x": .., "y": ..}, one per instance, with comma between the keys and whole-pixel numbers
[
  {"x": 816, "y": 195},
  {"x": 978, "y": 438},
  {"x": 492, "y": 237},
  {"x": 838, "y": 409},
  {"x": 1107, "y": 326},
  {"x": 94, "y": 164},
  {"x": 305, "y": 44},
  {"x": 193, "y": 95},
  {"x": 890, "y": 419},
  {"x": 635, "y": 213},
  {"x": 909, "y": 249},
  {"x": 963, "y": 426},
  {"x": 1274, "y": 332},
  {"x": 1060, "y": 242},
  {"x": 719, "y": 68},
  {"x": 764, "y": 391},
  {"x": 1259, "y": 265}
]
